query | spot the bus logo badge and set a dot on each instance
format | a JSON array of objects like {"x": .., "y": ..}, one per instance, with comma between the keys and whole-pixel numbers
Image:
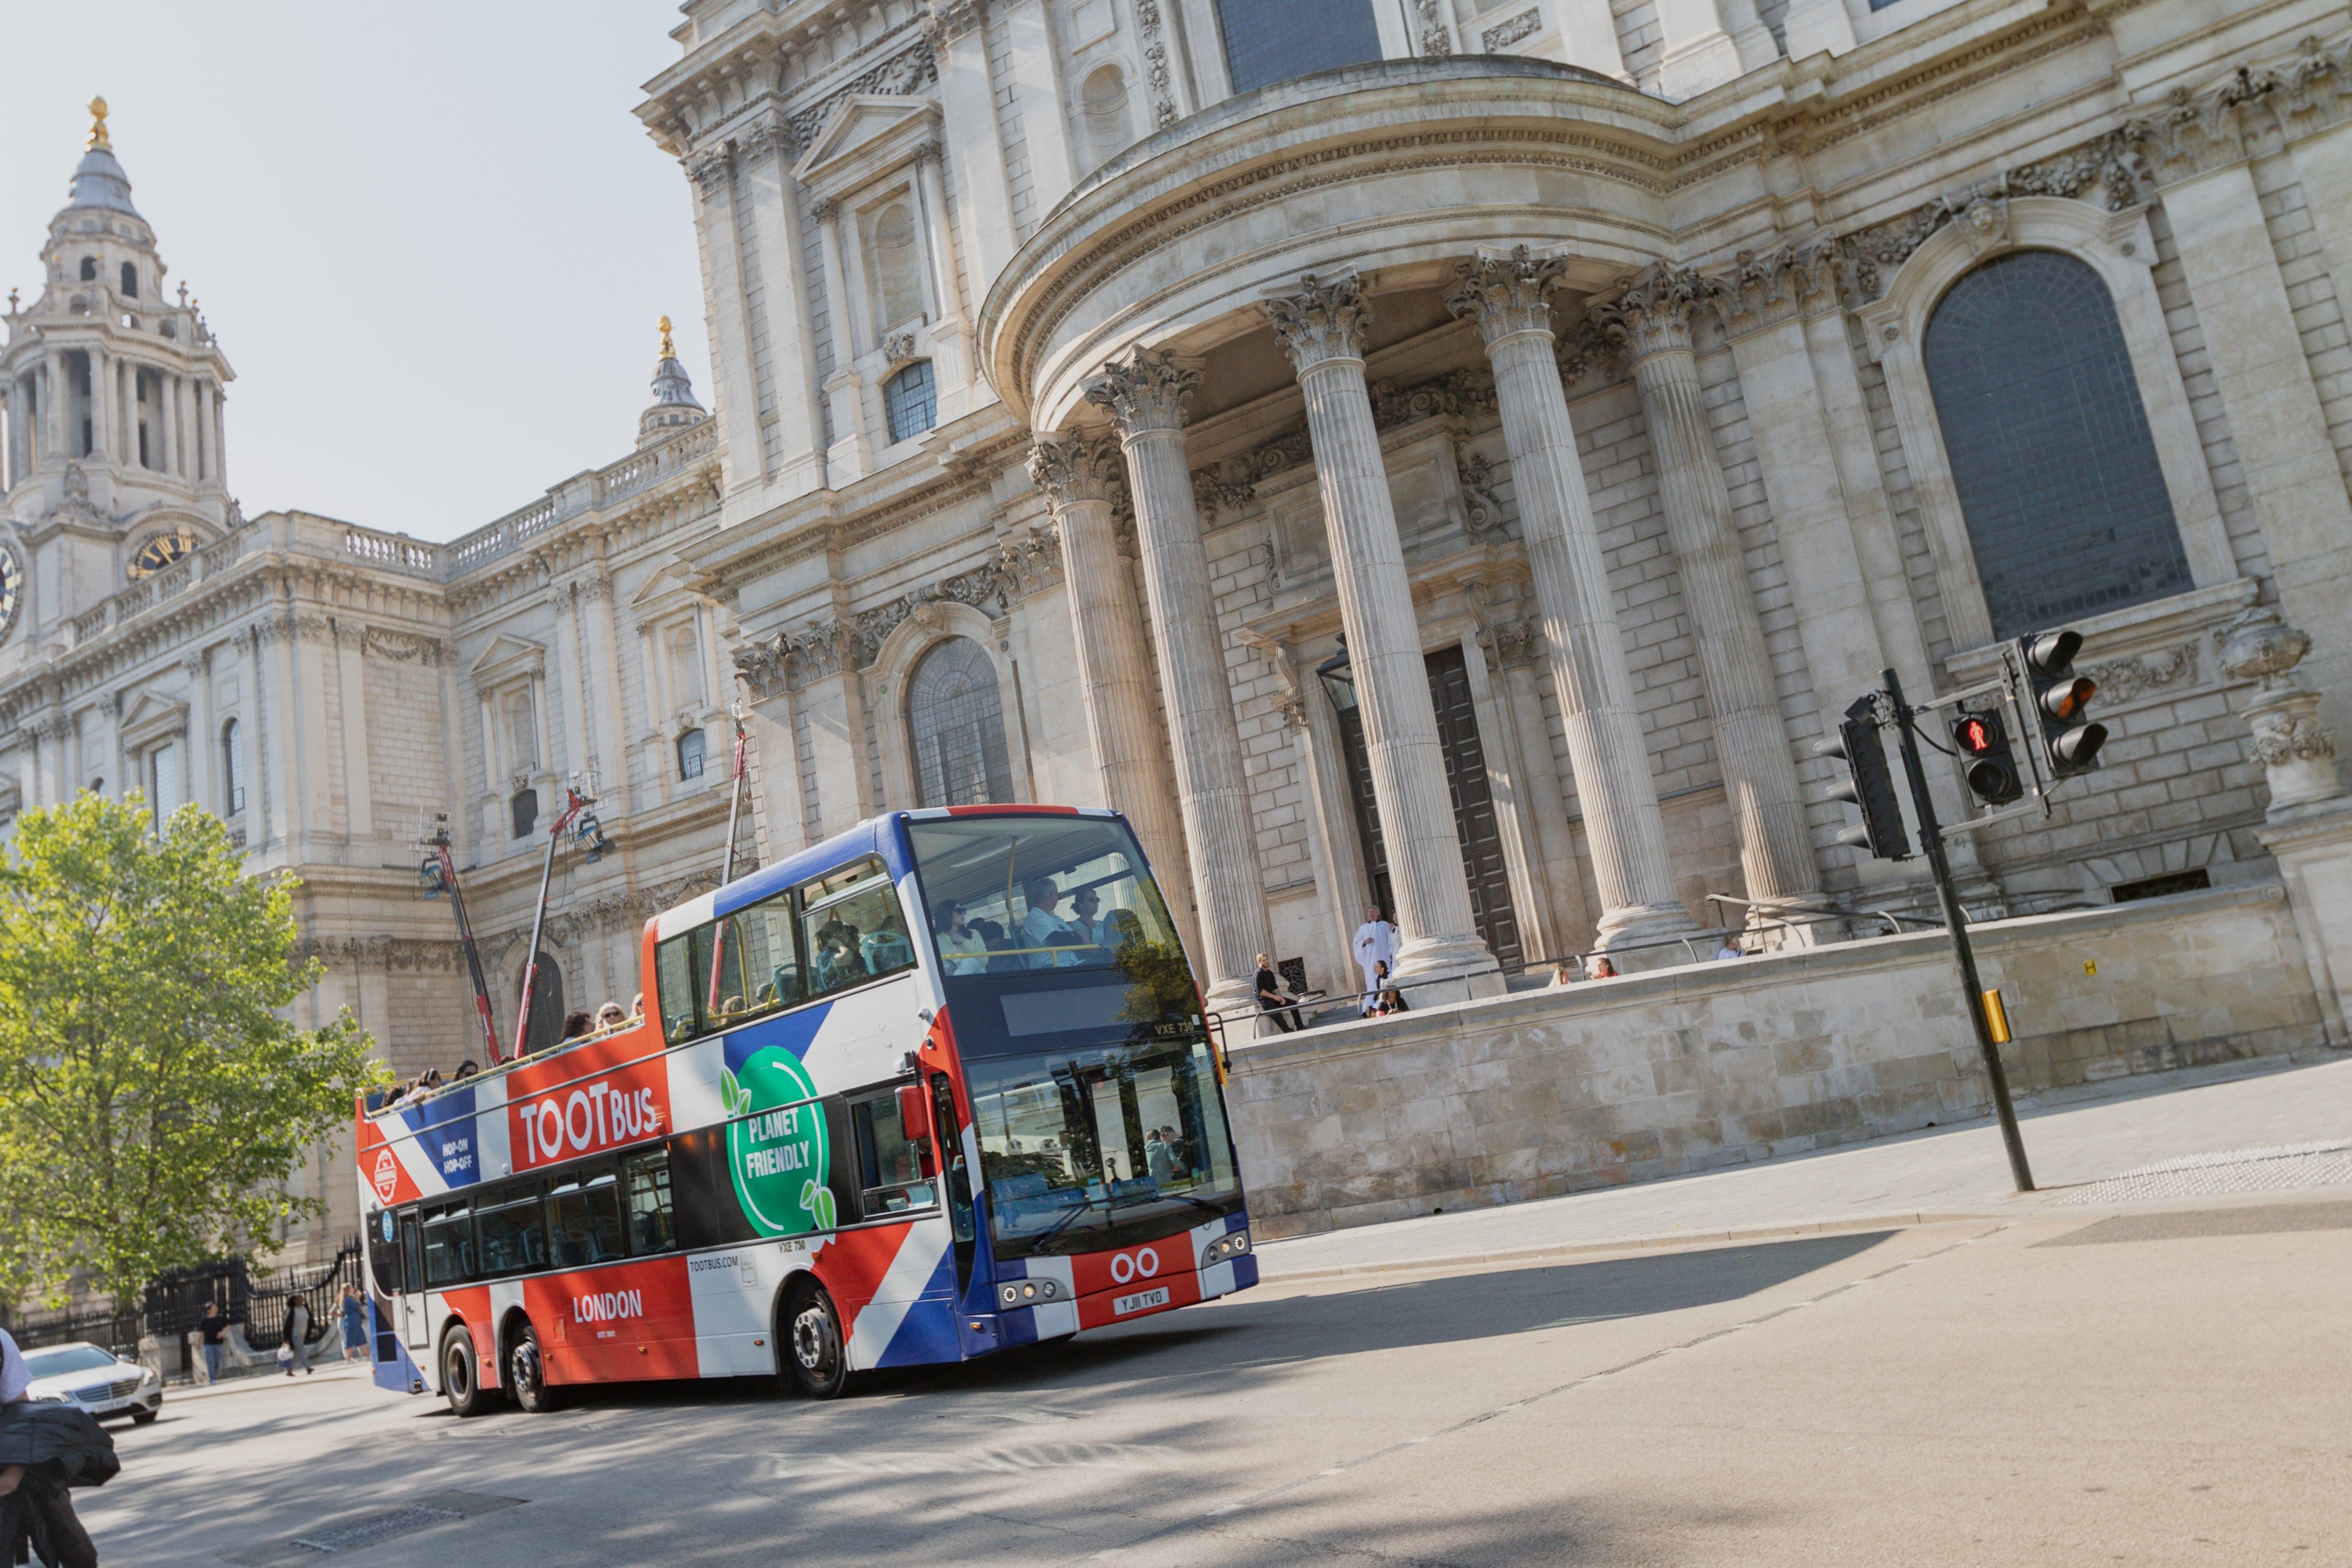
[
  {"x": 387, "y": 1175},
  {"x": 1144, "y": 1262}
]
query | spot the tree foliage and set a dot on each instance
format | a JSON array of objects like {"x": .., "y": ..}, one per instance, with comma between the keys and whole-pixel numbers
[{"x": 153, "y": 1101}]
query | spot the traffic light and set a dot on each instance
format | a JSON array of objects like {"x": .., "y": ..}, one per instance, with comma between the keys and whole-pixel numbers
[
  {"x": 2057, "y": 697},
  {"x": 1869, "y": 784},
  {"x": 1982, "y": 742}
]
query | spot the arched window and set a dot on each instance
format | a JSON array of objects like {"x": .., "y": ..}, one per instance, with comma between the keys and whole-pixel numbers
[
  {"x": 911, "y": 400},
  {"x": 88, "y": 268},
  {"x": 1103, "y": 99},
  {"x": 684, "y": 650},
  {"x": 233, "y": 766},
  {"x": 693, "y": 753},
  {"x": 2066, "y": 507},
  {"x": 955, "y": 726},
  {"x": 1268, "y": 41},
  {"x": 524, "y": 808},
  {"x": 897, "y": 266},
  {"x": 129, "y": 282}
]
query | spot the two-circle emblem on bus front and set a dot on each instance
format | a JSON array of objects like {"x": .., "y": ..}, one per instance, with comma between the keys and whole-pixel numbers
[{"x": 1143, "y": 1261}]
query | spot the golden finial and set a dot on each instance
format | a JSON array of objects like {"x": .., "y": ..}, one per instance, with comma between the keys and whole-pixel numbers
[
  {"x": 97, "y": 126},
  {"x": 668, "y": 351}
]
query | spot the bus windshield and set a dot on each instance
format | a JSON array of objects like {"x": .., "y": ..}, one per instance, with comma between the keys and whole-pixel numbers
[{"x": 1094, "y": 1098}]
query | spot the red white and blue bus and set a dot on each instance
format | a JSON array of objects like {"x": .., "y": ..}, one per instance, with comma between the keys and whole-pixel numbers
[{"x": 770, "y": 1171}]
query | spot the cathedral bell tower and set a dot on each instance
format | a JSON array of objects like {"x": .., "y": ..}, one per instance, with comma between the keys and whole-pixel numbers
[
  {"x": 673, "y": 406},
  {"x": 112, "y": 391}
]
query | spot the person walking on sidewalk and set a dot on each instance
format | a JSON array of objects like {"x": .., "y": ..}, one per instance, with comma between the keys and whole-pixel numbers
[
  {"x": 210, "y": 1328},
  {"x": 297, "y": 1330},
  {"x": 355, "y": 1312}
]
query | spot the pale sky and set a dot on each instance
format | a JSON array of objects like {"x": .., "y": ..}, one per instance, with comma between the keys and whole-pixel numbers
[{"x": 432, "y": 238}]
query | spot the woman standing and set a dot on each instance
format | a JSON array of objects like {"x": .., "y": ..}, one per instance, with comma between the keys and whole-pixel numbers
[{"x": 354, "y": 1324}]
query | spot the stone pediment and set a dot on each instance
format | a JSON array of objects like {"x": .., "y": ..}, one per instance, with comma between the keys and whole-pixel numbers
[
  {"x": 866, "y": 135},
  {"x": 507, "y": 659},
  {"x": 150, "y": 717}
]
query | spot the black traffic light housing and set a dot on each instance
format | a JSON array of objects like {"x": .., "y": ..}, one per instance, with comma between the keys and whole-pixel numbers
[
  {"x": 2057, "y": 697},
  {"x": 1982, "y": 742},
  {"x": 1869, "y": 784}
]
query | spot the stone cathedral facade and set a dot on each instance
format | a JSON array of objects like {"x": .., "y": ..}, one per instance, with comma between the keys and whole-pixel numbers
[{"x": 1455, "y": 454}]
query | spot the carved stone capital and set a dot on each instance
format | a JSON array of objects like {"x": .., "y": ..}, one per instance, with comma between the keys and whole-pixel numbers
[
  {"x": 1764, "y": 289},
  {"x": 1071, "y": 470},
  {"x": 1651, "y": 311},
  {"x": 708, "y": 166},
  {"x": 823, "y": 209},
  {"x": 1508, "y": 294},
  {"x": 944, "y": 20},
  {"x": 1323, "y": 321},
  {"x": 1149, "y": 391}
]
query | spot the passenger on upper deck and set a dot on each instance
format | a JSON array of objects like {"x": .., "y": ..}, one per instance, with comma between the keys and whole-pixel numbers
[
  {"x": 962, "y": 950},
  {"x": 1041, "y": 925}
]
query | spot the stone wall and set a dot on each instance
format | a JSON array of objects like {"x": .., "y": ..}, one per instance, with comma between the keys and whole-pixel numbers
[{"x": 1685, "y": 1069}]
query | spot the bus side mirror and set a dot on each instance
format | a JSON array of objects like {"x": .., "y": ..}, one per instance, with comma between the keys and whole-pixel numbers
[{"x": 914, "y": 1112}]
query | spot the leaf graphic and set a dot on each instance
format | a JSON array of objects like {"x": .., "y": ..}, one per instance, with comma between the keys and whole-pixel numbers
[{"x": 732, "y": 1096}]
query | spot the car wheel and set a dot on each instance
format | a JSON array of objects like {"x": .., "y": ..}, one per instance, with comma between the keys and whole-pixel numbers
[
  {"x": 816, "y": 1361},
  {"x": 459, "y": 1380},
  {"x": 527, "y": 1374}
]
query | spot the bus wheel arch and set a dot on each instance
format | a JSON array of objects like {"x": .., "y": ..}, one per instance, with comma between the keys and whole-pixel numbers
[{"x": 812, "y": 1350}]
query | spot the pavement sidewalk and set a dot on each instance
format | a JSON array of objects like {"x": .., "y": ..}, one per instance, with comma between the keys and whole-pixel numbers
[{"x": 2074, "y": 1138}]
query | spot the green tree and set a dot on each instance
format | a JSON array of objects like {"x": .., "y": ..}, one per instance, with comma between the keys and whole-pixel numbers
[{"x": 153, "y": 1101}]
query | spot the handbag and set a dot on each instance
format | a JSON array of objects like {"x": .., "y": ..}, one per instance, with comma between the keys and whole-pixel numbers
[{"x": 286, "y": 1355}]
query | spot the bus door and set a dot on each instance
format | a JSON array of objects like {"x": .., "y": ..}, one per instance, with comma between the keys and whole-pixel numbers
[
  {"x": 946, "y": 1141},
  {"x": 413, "y": 1328}
]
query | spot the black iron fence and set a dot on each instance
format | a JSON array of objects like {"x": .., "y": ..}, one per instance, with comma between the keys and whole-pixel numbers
[
  {"x": 118, "y": 1331},
  {"x": 175, "y": 1305}
]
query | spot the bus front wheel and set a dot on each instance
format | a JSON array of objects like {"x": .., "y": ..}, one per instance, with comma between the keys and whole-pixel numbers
[
  {"x": 815, "y": 1360},
  {"x": 527, "y": 1374},
  {"x": 460, "y": 1379}
]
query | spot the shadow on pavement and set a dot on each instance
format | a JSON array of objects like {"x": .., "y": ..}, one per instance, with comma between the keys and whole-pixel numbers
[{"x": 924, "y": 1458}]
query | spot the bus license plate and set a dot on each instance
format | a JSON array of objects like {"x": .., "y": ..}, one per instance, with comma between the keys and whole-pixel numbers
[{"x": 1123, "y": 1305}]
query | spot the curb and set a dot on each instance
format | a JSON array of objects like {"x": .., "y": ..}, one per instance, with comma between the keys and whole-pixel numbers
[{"x": 1626, "y": 1244}]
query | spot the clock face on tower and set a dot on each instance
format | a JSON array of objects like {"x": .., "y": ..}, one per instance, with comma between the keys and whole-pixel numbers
[
  {"x": 160, "y": 551},
  {"x": 11, "y": 590}
]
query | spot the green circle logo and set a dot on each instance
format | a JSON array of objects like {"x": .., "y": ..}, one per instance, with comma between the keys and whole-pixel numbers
[{"x": 777, "y": 1156}]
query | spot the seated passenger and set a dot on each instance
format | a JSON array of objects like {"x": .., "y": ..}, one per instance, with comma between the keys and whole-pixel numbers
[
  {"x": 962, "y": 949},
  {"x": 576, "y": 1023},
  {"x": 610, "y": 1016},
  {"x": 1041, "y": 925},
  {"x": 885, "y": 948}
]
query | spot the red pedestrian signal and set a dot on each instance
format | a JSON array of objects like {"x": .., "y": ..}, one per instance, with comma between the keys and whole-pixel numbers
[{"x": 1982, "y": 741}]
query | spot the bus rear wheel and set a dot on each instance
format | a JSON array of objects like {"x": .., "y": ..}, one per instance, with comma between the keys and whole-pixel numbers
[
  {"x": 459, "y": 1380},
  {"x": 527, "y": 1374},
  {"x": 815, "y": 1360}
]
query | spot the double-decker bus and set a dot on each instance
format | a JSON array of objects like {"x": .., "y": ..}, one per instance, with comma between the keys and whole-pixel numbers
[{"x": 937, "y": 1086}]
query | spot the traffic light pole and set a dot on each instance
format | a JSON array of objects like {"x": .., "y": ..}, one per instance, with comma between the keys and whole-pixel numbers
[{"x": 1955, "y": 922}]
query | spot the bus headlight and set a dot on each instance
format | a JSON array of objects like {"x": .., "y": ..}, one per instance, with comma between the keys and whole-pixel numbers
[
  {"x": 1225, "y": 1248},
  {"x": 1028, "y": 1292}
]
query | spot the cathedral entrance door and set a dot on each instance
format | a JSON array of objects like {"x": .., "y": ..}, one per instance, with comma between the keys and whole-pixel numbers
[{"x": 1472, "y": 800}]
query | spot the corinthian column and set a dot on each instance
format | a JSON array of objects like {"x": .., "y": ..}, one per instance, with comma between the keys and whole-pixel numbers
[
  {"x": 1508, "y": 296},
  {"x": 1650, "y": 318},
  {"x": 1078, "y": 474},
  {"x": 1322, "y": 326},
  {"x": 1147, "y": 395}
]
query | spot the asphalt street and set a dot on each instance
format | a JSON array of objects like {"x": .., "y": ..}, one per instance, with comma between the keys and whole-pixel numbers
[{"x": 2165, "y": 1385}]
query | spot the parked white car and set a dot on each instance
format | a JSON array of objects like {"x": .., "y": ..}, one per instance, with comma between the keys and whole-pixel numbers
[{"x": 96, "y": 1379}]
